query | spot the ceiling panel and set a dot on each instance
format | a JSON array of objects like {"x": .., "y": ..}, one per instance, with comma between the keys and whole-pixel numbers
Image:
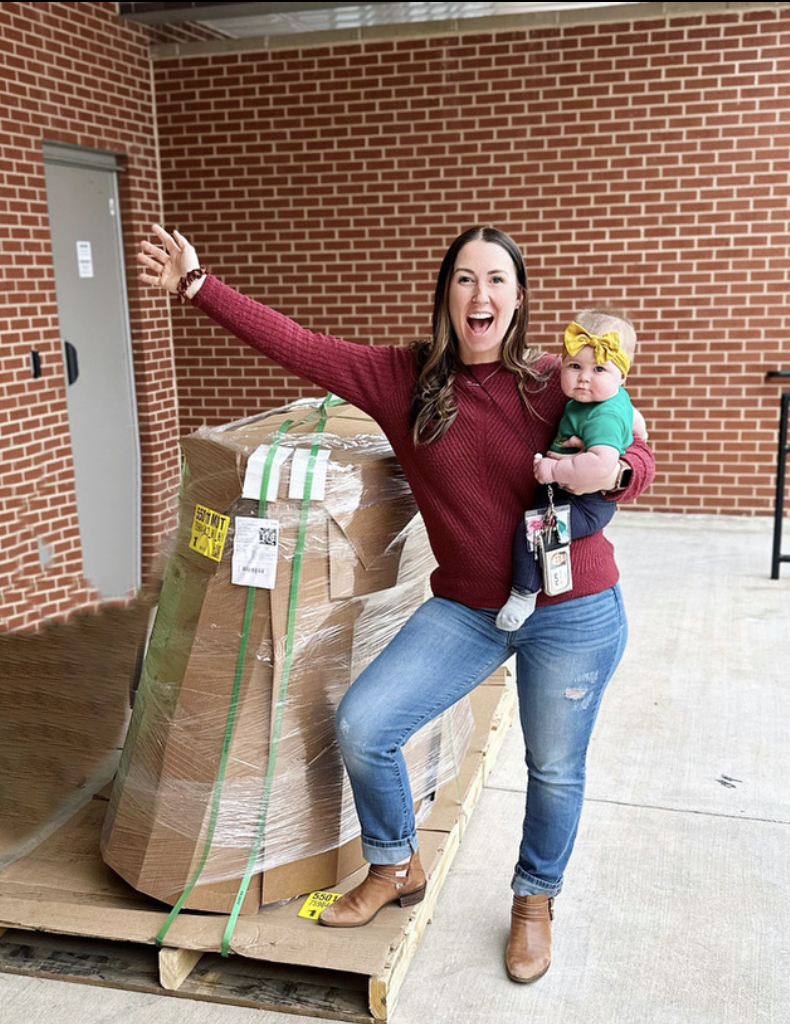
[{"x": 247, "y": 20}]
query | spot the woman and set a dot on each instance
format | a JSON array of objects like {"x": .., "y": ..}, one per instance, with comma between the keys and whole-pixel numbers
[{"x": 465, "y": 413}]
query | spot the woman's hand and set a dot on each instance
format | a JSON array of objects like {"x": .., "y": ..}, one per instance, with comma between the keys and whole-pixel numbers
[{"x": 165, "y": 264}]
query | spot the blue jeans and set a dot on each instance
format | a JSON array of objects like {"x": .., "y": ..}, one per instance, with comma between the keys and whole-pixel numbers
[{"x": 565, "y": 655}]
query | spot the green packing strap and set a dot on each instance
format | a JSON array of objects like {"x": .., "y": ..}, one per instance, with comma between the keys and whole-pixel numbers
[
  {"x": 271, "y": 765},
  {"x": 321, "y": 413},
  {"x": 230, "y": 721}
]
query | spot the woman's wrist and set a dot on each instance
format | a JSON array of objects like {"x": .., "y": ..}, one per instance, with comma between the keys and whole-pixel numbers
[
  {"x": 191, "y": 283},
  {"x": 623, "y": 478},
  {"x": 196, "y": 285}
]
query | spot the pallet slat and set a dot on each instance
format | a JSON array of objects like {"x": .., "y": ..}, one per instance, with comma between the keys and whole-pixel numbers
[
  {"x": 175, "y": 966},
  {"x": 234, "y": 981},
  {"x": 71, "y": 918}
]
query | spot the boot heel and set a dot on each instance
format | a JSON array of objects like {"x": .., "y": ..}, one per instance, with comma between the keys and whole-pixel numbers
[{"x": 411, "y": 898}]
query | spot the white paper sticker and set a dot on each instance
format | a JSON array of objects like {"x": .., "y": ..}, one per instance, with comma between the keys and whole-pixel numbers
[
  {"x": 85, "y": 259},
  {"x": 255, "y": 547},
  {"x": 299, "y": 473},
  {"x": 253, "y": 477}
]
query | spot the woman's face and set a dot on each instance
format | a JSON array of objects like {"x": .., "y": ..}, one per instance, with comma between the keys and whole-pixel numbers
[{"x": 484, "y": 295}]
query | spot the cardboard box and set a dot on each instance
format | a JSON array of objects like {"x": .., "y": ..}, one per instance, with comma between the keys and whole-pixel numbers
[{"x": 230, "y": 768}]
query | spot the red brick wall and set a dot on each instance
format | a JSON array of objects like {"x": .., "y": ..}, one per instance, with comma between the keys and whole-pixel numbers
[
  {"x": 69, "y": 72},
  {"x": 642, "y": 164}
]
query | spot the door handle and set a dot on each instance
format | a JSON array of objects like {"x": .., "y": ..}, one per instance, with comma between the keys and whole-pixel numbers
[{"x": 72, "y": 365}]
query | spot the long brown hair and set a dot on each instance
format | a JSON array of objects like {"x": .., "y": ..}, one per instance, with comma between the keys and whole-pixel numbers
[{"x": 434, "y": 403}]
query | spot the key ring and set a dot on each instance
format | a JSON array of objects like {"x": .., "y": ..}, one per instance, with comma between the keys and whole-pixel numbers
[{"x": 550, "y": 516}]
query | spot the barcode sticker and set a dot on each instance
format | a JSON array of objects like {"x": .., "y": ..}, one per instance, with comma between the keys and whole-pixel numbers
[{"x": 255, "y": 549}]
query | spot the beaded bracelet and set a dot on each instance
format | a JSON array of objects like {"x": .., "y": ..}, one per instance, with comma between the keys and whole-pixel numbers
[{"x": 186, "y": 281}]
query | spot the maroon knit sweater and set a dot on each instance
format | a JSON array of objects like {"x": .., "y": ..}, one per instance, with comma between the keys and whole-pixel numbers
[{"x": 473, "y": 485}]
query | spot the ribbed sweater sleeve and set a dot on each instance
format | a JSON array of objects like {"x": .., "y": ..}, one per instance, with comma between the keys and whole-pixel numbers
[{"x": 361, "y": 374}]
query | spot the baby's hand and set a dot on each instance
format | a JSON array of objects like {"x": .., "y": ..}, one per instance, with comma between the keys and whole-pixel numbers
[{"x": 543, "y": 469}]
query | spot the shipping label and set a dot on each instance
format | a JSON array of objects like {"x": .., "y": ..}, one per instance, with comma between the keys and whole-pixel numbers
[
  {"x": 316, "y": 902},
  {"x": 255, "y": 548},
  {"x": 209, "y": 531}
]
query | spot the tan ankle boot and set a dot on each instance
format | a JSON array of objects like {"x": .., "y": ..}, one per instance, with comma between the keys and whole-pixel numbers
[
  {"x": 529, "y": 949},
  {"x": 386, "y": 883}
]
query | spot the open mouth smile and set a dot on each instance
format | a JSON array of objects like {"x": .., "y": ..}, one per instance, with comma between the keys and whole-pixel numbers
[{"x": 479, "y": 322}]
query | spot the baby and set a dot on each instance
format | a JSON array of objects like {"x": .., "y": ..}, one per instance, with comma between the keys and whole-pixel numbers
[{"x": 598, "y": 350}]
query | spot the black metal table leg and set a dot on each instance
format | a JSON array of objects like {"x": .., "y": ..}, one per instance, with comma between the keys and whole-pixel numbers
[{"x": 781, "y": 465}]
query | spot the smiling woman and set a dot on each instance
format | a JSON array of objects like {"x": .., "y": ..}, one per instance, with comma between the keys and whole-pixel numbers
[
  {"x": 481, "y": 287},
  {"x": 484, "y": 296},
  {"x": 467, "y": 454}
]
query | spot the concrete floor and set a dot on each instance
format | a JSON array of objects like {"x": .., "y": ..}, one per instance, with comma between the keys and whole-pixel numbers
[{"x": 676, "y": 908}]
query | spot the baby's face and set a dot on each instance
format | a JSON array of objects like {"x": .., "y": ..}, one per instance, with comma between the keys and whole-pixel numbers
[{"x": 587, "y": 381}]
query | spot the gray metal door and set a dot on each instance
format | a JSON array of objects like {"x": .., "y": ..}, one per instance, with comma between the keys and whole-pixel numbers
[{"x": 82, "y": 197}]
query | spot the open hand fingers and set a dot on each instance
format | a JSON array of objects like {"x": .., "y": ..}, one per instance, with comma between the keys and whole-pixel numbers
[
  {"x": 153, "y": 259},
  {"x": 166, "y": 261},
  {"x": 152, "y": 256},
  {"x": 168, "y": 248},
  {"x": 169, "y": 243},
  {"x": 174, "y": 245},
  {"x": 177, "y": 248}
]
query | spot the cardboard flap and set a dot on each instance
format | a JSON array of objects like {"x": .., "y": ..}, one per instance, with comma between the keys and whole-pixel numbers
[
  {"x": 380, "y": 508},
  {"x": 349, "y": 576},
  {"x": 219, "y": 471}
]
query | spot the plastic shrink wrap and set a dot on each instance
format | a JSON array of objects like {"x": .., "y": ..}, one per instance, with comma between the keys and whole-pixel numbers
[
  {"x": 64, "y": 713},
  {"x": 230, "y": 768}
]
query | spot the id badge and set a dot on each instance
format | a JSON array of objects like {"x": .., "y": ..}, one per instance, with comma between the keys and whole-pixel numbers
[
  {"x": 553, "y": 548},
  {"x": 554, "y": 556}
]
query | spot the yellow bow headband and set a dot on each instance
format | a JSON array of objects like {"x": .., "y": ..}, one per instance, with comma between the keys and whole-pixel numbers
[{"x": 606, "y": 346}]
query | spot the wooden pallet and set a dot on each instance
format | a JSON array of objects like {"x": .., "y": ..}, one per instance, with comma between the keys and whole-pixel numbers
[{"x": 64, "y": 914}]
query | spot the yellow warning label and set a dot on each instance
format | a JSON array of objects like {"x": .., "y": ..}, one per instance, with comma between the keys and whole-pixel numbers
[
  {"x": 209, "y": 530},
  {"x": 316, "y": 902}
]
